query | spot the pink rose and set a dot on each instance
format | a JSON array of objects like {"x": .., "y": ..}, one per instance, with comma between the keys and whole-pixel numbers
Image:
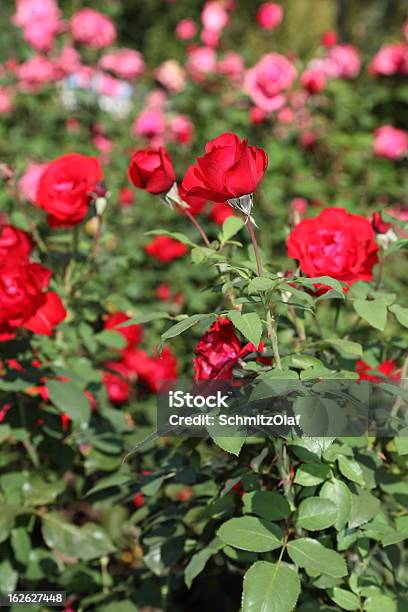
[
  {"x": 214, "y": 17},
  {"x": 28, "y": 183},
  {"x": 35, "y": 72},
  {"x": 149, "y": 124},
  {"x": 181, "y": 129},
  {"x": 390, "y": 59},
  {"x": 186, "y": 29},
  {"x": 347, "y": 61},
  {"x": 269, "y": 15},
  {"x": 92, "y": 29},
  {"x": 124, "y": 63},
  {"x": 390, "y": 142},
  {"x": 210, "y": 38},
  {"x": 201, "y": 61},
  {"x": 40, "y": 21},
  {"x": 268, "y": 79},
  {"x": 313, "y": 80},
  {"x": 232, "y": 66},
  {"x": 69, "y": 60},
  {"x": 5, "y": 101},
  {"x": 171, "y": 75}
]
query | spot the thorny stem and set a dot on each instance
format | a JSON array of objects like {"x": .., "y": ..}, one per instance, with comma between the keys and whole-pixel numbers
[
  {"x": 272, "y": 335},
  {"x": 256, "y": 247},
  {"x": 196, "y": 225}
]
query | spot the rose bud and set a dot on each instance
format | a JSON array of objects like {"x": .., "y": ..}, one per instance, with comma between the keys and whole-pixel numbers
[
  {"x": 230, "y": 170},
  {"x": 152, "y": 170},
  {"x": 379, "y": 225}
]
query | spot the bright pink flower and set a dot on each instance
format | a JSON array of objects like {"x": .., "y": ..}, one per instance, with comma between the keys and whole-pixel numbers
[
  {"x": 35, "y": 72},
  {"x": 268, "y": 79},
  {"x": 40, "y": 35},
  {"x": 329, "y": 39},
  {"x": 171, "y": 75},
  {"x": 299, "y": 206},
  {"x": 214, "y": 17},
  {"x": 92, "y": 29},
  {"x": 6, "y": 101},
  {"x": 285, "y": 115},
  {"x": 40, "y": 21},
  {"x": 257, "y": 115},
  {"x": 269, "y": 15},
  {"x": 28, "y": 183},
  {"x": 390, "y": 142},
  {"x": 165, "y": 249},
  {"x": 148, "y": 124},
  {"x": 69, "y": 60},
  {"x": 347, "y": 61},
  {"x": 201, "y": 61},
  {"x": 181, "y": 129},
  {"x": 231, "y": 65},
  {"x": 314, "y": 81},
  {"x": 390, "y": 59},
  {"x": 186, "y": 29},
  {"x": 131, "y": 333},
  {"x": 124, "y": 63},
  {"x": 210, "y": 38}
]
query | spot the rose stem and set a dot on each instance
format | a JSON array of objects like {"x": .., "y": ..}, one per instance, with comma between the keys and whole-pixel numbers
[
  {"x": 272, "y": 335},
  {"x": 256, "y": 248},
  {"x": 196, "y": 225}
]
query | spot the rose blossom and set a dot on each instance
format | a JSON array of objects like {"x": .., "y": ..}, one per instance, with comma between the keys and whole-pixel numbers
[
  {"x": 229, "y": 169},
  {"x": 329, "y": 39},
  {"x": 231, "y": 65},
  {"x": 314, "y": 81},
  {"x": 24, "y": 301},
  {"x": 152, "y": 170},
  {"x": 195, "y": 204},
  {"x": 149, "y": 124},
  {"x": 125, "y": 63},
  {"x": 347, "y": 61},
  {"x": 387, "y": 368},
  {"x": 390, "y": 59},
  {"x": 6, "y": 103},
  {"x": 115, "y": 382},
  {"x": 181, "y": 129},
  {"x": 269, "y": 15},
  {"x": 186, "y": 29},
  {"x": 390, "y": 142},
  {"x": 200, "y": 62},
  {"x": 126, "y": 197},
  {"x": 210, "y": 38},
  {"x": 171, "y": 75},
  {"x": 131, "y": 333},
  {"x": 15, "y": 244},
  {"x": 40, "y": 21},
  {"x": 65, "y": 188},
  {"x": 268, "y": 79},
  {"x": 285, "y": 115},
  {"x": 69, "y": 60},
  {"x": 257, "y": 115},
  {"x": 336, "y": 243},
  {"x": 28, "y": 183},
  {"x": 92, "y": 29},
  {"x": 218, "y": 352},
  {"x": 152, "y": 371},
  {"x": 165, "y": 249},
  {"x": 214, "y": 17},
  {"x": 35, "y": 72}
]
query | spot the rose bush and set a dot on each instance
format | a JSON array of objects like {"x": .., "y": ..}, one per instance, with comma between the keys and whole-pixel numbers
[{"x": 276, "y": 264}]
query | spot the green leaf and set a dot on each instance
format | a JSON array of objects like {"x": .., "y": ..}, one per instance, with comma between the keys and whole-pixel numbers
[
  {"x": 346, "y": 348},
  {"x": 231, "y": 226},
  {"x": 401, "y": 442},
  {"x": 70, "y": 398},
  {"x": 115, "y": 480},
  {"x": 230, "y": 444},
  {"x": 266, "y": 504},
  {"x": 37, "y": 492},
  {"x": 323, "y": 280},
  {"x": 185, "y": 324},
  {"x": 87, "y": 542},
  {"x": 372, "y": 311},
  {"x": 260, "y": 283},
  {"x": 351, "y": 469},
  {"x": 270, "y": 587},
  {"x": 8, "y": 577},
  {"x": 345, "y": 599},
  {"x": 364, "y": 507},
  {"x": 313, "y": 556},
  {"x": 111, "y": 339},
  {"x": 339, "y": 493},
  {"x": 144, "y": 318},
  {"x": 249, "y": 325},
  {"x": 7, "y": 516},
  {"x": 380, "y": 603},
  {"x": 311, "y": 474},
  {"x": 316, "y": 513},
  {"x": 250, "y": 533},
  {"x": 400, "y": 313},
  {"x": 198, "y": 561}
]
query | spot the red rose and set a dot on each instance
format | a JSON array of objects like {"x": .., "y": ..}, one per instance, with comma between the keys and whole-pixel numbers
[
  {"x": 24, "y": 301},
  {"x": 65, "y": 188},
  {"x": 387, "y": 368},
  {"x": 221, "y": 211},
  {"x": 229, "y": 169},
  {"x": 336, "y": 243},
  {"x": 117, "y": 385},
  {"x": 196, "y": 204},
  {"x": 14, "y": 243},
  {"x": 164, "y": 248},
  {"x": 132, "y": 333},
  {"x": 152, "y": 371},
  {"x": 126, "y": 197},
  {"x": 152, "y": 170},
  {"x": 218, "y": 352}
]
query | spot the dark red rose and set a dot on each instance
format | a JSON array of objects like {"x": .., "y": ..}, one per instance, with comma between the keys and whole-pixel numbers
[
  {"x": 221, "y": 211},
  {"x": 132, "y": 333},
  {"x": 152, "y": 170},
  {"x": 218, "y": 352},
  {"x": 229, "y": 169},
  {"x": 14, "y": 243},
  {"x": 387, "y": 368},
  {"x": 164, "y": 248},
  {"x": 65, "y": 188},
  {"x": 24, "y": 301},
  {"x": 152, "y": 371},
  {"x": 116, "y": 384},
  {"x": 336, "y": 243}
]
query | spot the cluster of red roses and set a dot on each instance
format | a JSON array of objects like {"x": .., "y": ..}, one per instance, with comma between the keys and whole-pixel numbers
[
  {"x": 25, "y": 300},
  {"x": 135, "y": 365}
]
